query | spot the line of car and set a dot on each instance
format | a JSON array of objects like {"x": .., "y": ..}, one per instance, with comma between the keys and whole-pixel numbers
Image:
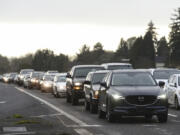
[{"x": 111, "y": 90}]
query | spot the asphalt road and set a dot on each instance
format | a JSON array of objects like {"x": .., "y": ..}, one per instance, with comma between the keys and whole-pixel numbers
[{"x": 74, "y": 119}]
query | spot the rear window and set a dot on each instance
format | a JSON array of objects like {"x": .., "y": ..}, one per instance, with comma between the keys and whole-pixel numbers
[{"x": 82, "y": 72}]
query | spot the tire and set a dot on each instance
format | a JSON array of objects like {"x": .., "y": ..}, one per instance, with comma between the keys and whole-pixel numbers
[
  {"x": 163, "y": 118},
  {"x": 74, "y": 100},
  {"x": 68, "y": 98},
  {"x": 86, "y": 105},
  {"x": 93, "y": 107},
  {"x": 176, "y": 104}
]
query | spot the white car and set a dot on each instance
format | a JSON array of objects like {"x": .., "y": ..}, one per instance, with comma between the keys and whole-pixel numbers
[
  {"x": 163, "y": 74},
  {"x": 59, "y": 85},
  {"x": 173, "y": 90}
]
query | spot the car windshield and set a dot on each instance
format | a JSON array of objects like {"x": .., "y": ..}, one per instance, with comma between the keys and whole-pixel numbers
[
  {"x": 164, "y": 74},
  {"x": 98, "y": 77},
  {"x": 26, "y": 71},
  {"x": 48, "y": 77},
  {"x": 82, "y": 72},
  {"x": 36, "y": 75},
  {"x": 114, "y": 67},
  {"x": 132, "y": 79},
  {"x": 61, "y": 79}
]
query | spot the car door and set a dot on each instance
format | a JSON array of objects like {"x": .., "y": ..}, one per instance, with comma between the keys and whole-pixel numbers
[
  {"x": 174, "y": 89},
  {"x": 103, "y": 92},
  {"x": 87, "y": 87},
  {"x": 171, "y": 89}
]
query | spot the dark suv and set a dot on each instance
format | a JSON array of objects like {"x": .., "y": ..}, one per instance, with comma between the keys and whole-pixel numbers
[
  {"x": 75, "y": 81},
  {"x": 91, "y": 89},
  {"x": 132, "y": 93}
]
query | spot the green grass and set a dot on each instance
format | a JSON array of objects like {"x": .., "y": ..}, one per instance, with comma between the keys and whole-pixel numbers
[
  {"x": 17, "y": 116},
  {"x": 27, "y": 122}
]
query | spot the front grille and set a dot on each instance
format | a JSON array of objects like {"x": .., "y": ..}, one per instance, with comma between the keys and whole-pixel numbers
[{"x": 141, "y": 99}]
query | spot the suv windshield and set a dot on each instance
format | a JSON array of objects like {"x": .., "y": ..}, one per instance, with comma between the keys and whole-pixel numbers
[
  {"x": 61, "y": 79},
  {"x": 114, "y": 67},
  {"x": 132, "y": 79},
  {"x": 164, "y": 74},
  {"x": 82, "y": 72},
  {"x": 36, "y": 75},
  {"x": 26, "y": 71},
  {"x": 98, "y": 77},
  {"x": 48, "y": 77}
]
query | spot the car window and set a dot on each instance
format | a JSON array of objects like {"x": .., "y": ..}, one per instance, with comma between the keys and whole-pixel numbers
[
  {"x": 114, "y": 67},
  {"x": 97, "y": 78},
  {"x": 164, "y": 74},
  {"x": 132, "y": 79}
]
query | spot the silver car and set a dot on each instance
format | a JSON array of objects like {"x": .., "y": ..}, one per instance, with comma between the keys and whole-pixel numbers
[{"x": 59, "y": 85}]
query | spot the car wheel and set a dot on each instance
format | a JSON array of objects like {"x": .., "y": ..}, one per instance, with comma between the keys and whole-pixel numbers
[
  {"x": 163, "y": 118},
  {"x": 176, "y": 104},
  {"x": 93, "y": 107},
  {"x": 68, "y": 98},
  {"x": 86, "y": 105}
]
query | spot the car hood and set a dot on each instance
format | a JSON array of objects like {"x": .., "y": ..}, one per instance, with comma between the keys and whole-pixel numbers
[
  {"x": 49, "y": 82},
  {"x": 79, "y": 80},
  {"x": 61, "y": 84},
  {"x": 137, "y": 90}
]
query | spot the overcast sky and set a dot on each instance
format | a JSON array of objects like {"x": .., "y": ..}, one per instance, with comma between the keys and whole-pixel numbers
[{"x": 65, "y": 25}]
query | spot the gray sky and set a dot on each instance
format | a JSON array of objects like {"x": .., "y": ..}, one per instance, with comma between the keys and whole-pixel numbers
[{"x": 61, "y": 24}]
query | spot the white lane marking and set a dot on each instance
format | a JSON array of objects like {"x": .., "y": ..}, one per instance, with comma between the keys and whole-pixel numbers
[
  {"x": 149, "y": 125},
  {"x": 14, "y": 129},
  {"x": 79, "y": 122},
  {"x": 2, "y": 102},
  {"x": 22, "y": 133},
  {"x": 50, "y": 115},
  {"x": 83, "y": 131},
  {"x": 172, "y": 115}
]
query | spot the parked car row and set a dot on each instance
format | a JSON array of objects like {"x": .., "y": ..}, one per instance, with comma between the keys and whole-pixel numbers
[{"x": 111, "y": 90}]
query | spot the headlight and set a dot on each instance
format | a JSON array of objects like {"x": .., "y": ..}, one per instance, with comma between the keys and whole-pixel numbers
[
  {"x": 96, "y": 94},
  {"x": 77, "y": 84},
  {"x": 163, "y": 96},
  {"x": 117, "y": 97},
  {"x": 77, "y": 87}
]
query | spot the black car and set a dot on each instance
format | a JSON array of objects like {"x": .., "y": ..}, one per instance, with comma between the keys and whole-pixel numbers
[
  {"x": 91, "y": 89},
  {"x": 132, "y": 93},
  {"x": 75, "y": 81}
]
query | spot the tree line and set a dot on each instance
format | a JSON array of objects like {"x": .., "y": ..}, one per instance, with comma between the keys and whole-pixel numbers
[{"x": 141, "y": 52}]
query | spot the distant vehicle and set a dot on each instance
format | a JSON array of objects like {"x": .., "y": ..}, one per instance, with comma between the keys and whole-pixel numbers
[
  {"x": 173, "y": 90},
  {"x": 91, "y": 89},
  {"x": 34, "y": 78},
  {"x": 116, "y": 66},
  {"x": 132, "y": 93},
  {"x": 163, "y": 74},
  {"x": 22, "y": 73},
  {"x": 59, "y": 85},
  {"x": 8, "y": 78},
  {"x": 26, "y": 81},
  {"x": 47, "y": 83},
  {"x": 39, "y": 81},
  {"x": 75, "y": 81},
  {"x": 52, "y": 72}
]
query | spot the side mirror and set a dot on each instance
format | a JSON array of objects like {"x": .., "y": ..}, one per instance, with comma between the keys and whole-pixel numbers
[
  {"x": 68, "y": 75},
  {"x": 161, "y": 84},
  {"x": 87, "y": 82},
  {"x": 103, "y": 84}
]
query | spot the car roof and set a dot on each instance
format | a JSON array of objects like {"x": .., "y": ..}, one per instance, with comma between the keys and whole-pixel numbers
[
  {"x": 159, "y": 69},
  {"x": 99, "y": 71},
  {"x": 79, "y": 66},
  {"x": 61, "y": 74},
  {"x": 109, "y": 64},
  {"x": 130, "y": 70}
]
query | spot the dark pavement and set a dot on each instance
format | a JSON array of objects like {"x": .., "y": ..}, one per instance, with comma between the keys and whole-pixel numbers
[{"x": 55, "y": 116}]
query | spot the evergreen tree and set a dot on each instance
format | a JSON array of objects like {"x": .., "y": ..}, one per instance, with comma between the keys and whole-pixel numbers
[{"x": 174, "y": 38}]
